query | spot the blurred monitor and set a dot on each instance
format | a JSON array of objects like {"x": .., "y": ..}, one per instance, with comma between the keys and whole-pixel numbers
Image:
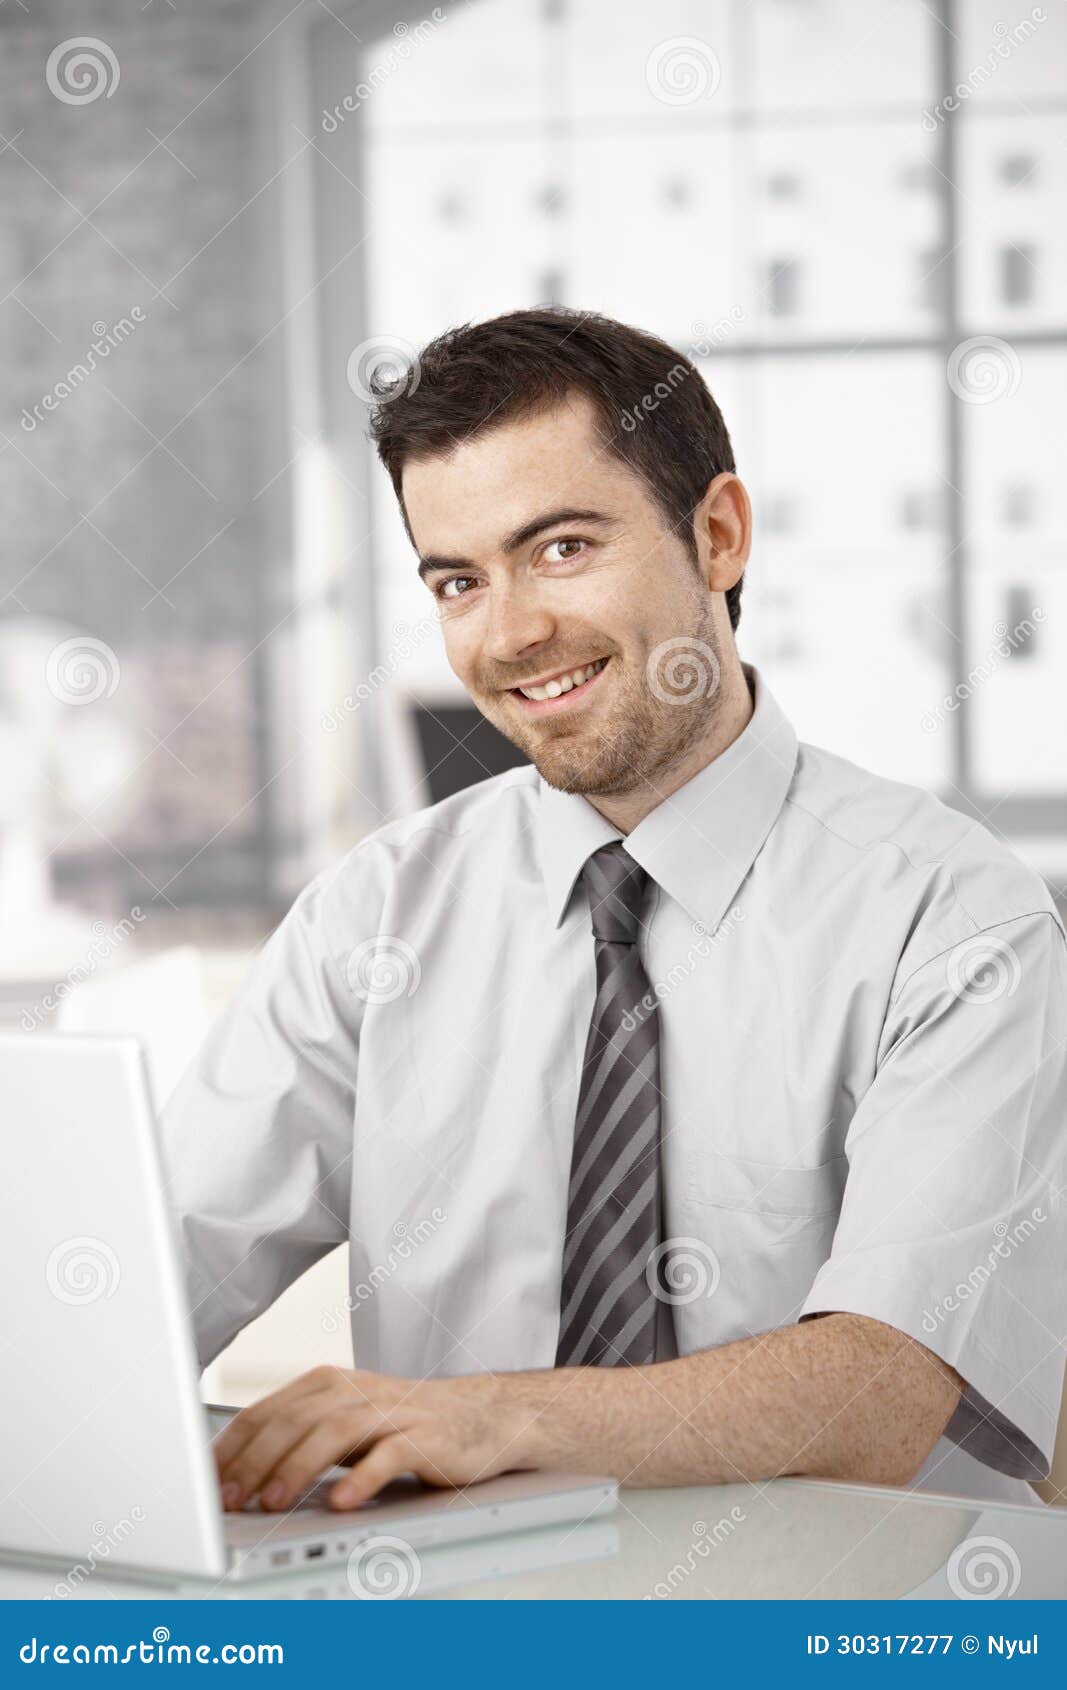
[{"x": 436, "y": 745}]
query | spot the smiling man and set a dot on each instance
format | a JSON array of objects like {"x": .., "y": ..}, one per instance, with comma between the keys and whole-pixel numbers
[{"x": 691, "y": 1098}]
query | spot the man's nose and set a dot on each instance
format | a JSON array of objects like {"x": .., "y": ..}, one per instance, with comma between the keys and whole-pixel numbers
[{"x": 517, "y": 621}]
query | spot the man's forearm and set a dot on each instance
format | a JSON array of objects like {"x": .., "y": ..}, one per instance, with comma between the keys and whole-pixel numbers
[{"x": 840, "y": 1397}]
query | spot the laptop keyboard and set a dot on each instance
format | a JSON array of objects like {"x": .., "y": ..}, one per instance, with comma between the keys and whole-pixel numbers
[{"x": 317, "y": 1497}]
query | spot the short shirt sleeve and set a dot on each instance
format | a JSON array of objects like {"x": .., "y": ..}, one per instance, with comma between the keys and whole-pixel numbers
[
  {"x": 257, "y": 1137},
  {"x": 952, "y": 1226}
]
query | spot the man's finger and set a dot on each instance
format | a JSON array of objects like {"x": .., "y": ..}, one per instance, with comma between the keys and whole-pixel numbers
[
  {"x": 247, "y": 1424},
  {"x": 244, "y": 1475},
  {"x": 390, "y": 1457},
  {"x": 347, "y": 1432}
]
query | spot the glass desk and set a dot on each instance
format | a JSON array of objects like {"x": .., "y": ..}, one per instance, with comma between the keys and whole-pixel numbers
[{"x": 790, "y": 1538}]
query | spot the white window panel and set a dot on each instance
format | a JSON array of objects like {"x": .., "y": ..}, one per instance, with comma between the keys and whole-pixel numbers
[
  {"x": 843, "y": 441},
  {"x": 629, "y": 251},
  {"x": 1013, "y": 451},
  {"x": 673, "y": 63},
  {"x": 1013, "y": 208},
  {"x": 482, "y": 66},
  {"x": 455, "y": 232},
  {"x": 1017, "y": 670},
  {"x": 1006, "y": 55},
  {"x": 729, "y": 381},
  {"x": 861, "y": 241},
  {"x": 852, "y": 651},
  {"x": 835, "y": 55}
]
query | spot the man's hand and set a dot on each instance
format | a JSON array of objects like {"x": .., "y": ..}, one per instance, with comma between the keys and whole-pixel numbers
[
  {"x": 448, "y": 1431},
  {"x": 841, "y": 1397}
]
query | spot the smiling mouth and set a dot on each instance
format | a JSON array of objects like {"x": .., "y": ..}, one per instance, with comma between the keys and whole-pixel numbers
[{"x": 562, "y": 690}]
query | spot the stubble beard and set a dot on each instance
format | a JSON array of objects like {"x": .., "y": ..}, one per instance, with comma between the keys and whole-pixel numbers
[{"x": 637, "y": 740}]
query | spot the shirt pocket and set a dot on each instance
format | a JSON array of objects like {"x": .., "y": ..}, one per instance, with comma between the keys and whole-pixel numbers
[{"x": 713, "y": 1180}]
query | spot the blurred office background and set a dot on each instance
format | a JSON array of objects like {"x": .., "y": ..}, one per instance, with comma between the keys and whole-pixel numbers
[{"x": 217, "y": 667}]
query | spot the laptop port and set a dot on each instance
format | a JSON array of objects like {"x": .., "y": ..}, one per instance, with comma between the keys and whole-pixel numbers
[
  {"x": 314, "y": 1551},
  {"x": 280, "y": 1557}
]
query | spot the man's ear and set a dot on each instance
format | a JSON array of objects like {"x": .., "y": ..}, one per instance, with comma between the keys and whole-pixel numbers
[{"x": 722, "y": 529}]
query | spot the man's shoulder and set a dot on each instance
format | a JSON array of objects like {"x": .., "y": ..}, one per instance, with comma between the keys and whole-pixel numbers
[
  {"x": 493, "y": 815},
  {"x": 964, "y": 876},
  {"x": 489, "y": 806}
]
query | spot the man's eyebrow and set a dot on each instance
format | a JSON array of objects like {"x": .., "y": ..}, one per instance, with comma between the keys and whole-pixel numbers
[{"x": 518, "y": 537}]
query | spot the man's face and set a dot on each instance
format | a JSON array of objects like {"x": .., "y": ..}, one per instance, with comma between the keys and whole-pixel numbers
[{"x": 527, "y": 596}]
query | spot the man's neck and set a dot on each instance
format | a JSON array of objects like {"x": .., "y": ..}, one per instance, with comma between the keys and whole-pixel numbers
[{"x": 624, "y": 810}]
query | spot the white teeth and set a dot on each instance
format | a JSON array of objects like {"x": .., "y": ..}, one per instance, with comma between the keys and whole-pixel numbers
[{"x": 554, "y": 689}]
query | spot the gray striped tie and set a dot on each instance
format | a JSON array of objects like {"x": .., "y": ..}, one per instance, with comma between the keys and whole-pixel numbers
[{"x": 607, "y": 1308}]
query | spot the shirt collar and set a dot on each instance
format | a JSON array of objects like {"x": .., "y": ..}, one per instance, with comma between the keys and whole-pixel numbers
[{"x": 699, "y": 843}]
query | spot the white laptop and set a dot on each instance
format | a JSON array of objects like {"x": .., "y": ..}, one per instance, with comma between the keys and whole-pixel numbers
[{"x": 105, "y": 1439}]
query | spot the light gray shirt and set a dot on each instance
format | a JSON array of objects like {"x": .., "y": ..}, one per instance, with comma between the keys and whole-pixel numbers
[{"x": 863, "y": 1013}]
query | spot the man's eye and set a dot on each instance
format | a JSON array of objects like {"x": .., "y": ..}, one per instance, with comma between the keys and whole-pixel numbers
[
  {"x": 568, "y": 540},
  {"x": 453, "y": 581}
]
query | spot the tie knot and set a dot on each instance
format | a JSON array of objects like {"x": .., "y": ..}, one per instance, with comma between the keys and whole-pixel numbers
[{"x": 615, "y": 885}]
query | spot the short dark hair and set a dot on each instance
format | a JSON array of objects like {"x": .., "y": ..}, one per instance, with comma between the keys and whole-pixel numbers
[{"x": 653, "y": 409}]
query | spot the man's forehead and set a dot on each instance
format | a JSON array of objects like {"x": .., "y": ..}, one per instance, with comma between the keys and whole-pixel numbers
[{"x": 493, "y": 483}]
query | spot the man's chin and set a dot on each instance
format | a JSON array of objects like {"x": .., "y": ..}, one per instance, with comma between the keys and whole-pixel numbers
[{"x": 586, "y": 776}]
